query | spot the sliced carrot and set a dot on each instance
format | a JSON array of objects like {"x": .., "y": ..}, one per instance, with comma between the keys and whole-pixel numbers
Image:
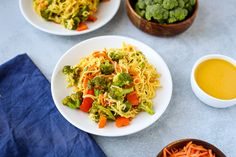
[
  {"x": 102, "y": 121},
  {"x": 92, "y": 18},
  {"x": 82, "y": 26},
  {"x": 122, "y": 121},
  {"x": 87, "y": 102},
  {"x": 133, "y": 98}
]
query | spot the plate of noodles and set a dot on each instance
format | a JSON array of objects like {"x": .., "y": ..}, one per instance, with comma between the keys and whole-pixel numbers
[
  {"x": 68, "y": 17},
  {"x": 111, "y": 86}
]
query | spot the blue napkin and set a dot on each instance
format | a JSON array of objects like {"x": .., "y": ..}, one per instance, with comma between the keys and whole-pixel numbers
[{"x": 30, "y": 124}]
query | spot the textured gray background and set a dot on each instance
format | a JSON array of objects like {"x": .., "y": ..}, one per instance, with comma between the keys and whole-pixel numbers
[{"x": 214, "y": 31}]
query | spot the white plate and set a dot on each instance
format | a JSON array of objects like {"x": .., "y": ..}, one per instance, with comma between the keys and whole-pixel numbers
[
  {"x": 106, "y": 12},
  {"x": 81, "y": 119}
]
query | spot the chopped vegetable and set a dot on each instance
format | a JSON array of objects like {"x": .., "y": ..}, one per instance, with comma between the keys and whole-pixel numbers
[
  {"x": 87, "y": 102},
  {"x": 92, "y": 18},
  {"x": 116, "y": 54},
  {"x": 122, "y": 79},
  {"x": 102, "y": 121},
  {"x": 99, "y": 82},
  {"x": 81, "y": 27},
  {"x": 73, "y": 101},
  {"x": 147, "y": 107},
  {"x": 107, "y": 112},
  {"x": 107, "y": 68},
  {"x": 119, "y": 93},
  {"x": 133, "y": 98},
  {"x": 122, "y": 121}
]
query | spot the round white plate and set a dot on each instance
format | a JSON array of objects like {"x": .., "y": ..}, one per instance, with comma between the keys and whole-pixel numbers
[
  {"x": 81, "y": 119},
  {"x": 106, "y": 12}
]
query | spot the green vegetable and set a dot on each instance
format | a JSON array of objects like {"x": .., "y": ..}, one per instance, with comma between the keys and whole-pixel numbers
[
  {"x": 72, "y": 74},
  {"x": 107, "y": 68},
  {"x": 96, "y": 92},
  {"x": 73, "y": 101},
  {"x": 119, "y": 93},
  {"x": 128, "y": 107},
  {"x": 122, "y": 79},
  {"x": 169, "y": 4},
  {"x": 99, "y": 83},
  {"x": 164, "y": 11},
  {"x": 115, "y": 54},
  {"x": 147, "y": 107},
  {"x": 107, "y": 112}
]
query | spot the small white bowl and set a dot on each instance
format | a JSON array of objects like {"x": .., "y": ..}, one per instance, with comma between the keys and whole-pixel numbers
[{"x": 202, "y": 95}]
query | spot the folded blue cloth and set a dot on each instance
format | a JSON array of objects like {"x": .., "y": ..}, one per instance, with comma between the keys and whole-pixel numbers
[{"x": 30, "y": 124}]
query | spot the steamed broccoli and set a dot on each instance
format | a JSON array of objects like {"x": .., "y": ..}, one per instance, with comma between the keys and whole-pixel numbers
[
  {"x": 99, "y": 83},
  {"x": 119, "y": 93},
  {"x": 73, "y": 101},
  {"x": 107, "y": 68},
  {"x": 115, "y": 54},
  {"x": 147, "y": 107},
  {"x": 122, "y": 79},
  {"x": 164, "y": 11},
  {"x": 72, "y": 74}
]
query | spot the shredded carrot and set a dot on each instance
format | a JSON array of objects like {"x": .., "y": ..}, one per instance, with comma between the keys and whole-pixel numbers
[
  {"x": 101, "y": 98},
  {"x": 85, "y": 82},
  {"x": 81, "y": 27},
  {"x": 190, "y": 150},
  {"x": 102, "y": 54}
]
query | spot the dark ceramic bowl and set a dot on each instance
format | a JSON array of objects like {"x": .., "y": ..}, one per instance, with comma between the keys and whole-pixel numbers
[
  {"x": 181, "y": 143},
  {"x": 156, "y": 28}
]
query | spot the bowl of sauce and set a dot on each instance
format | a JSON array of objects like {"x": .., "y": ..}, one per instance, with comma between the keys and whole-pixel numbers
[{"x": 213, "y": 80}]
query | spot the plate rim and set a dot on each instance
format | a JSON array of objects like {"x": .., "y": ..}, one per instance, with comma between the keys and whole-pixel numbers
[
  {"x": 63, "y": 33},
  {"x": 53, "y": 78}
]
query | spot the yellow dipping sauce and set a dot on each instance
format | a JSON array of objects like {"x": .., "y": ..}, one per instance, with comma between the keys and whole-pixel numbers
[{"x": 217, "y": 78}]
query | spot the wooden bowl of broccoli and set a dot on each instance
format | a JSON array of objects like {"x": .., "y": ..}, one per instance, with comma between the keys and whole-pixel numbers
[{"x": 162, "y": 17}]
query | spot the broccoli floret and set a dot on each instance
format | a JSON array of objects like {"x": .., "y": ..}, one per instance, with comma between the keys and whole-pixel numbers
[
  {"x": 115, "y": 54},
  {"x": 99, "y": 82},
  {"x": 107, "y": 68},
  {"x": 119, "y": 93},
  {"x": 122, "y": 79},
  {"x": 72, "y": 74},
  {"x": 156, "y": 12},
  {"x": 139, "y": 11},
  {"x": 73, "y": 101},
  {"x": 181, "y": 3},
  {"x": 147, "y": 107},
  {"x": 141, "y": 4},
  {"x": 177, "y": 15},
  {"x": 169, "y": 4},
  {"x": 45, "y": 14}
]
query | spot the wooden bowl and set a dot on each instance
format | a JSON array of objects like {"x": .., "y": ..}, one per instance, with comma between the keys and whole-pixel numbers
[
  {"x": 156, "y": 28},
  {"x": 181, "y": 143}
]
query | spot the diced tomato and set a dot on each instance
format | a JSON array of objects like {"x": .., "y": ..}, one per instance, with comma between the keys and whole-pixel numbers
[{"x": 133, "y": 98}]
